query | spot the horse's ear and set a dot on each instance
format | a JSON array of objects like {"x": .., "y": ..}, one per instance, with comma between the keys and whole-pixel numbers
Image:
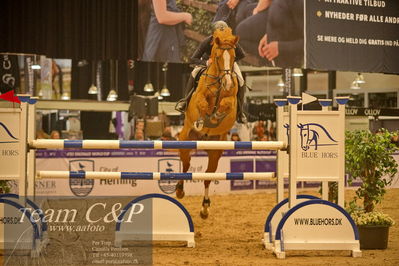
[{"x": 216, "y": 41}]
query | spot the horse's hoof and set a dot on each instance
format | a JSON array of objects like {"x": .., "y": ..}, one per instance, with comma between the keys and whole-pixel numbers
[
  {"x": 204, "y": 213},
  {"x": 180, "y": 191},
  {"x": 180, "y": 194},
  {"x": 199, "y": 124},
  {"x": 206, "y": 203}
]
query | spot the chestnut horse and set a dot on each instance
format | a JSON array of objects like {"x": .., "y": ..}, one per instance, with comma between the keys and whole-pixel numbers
[{"x": 211, "y": 112}]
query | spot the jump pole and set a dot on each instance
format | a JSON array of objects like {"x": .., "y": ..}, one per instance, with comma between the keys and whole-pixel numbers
[
  {"x": 157, "y": 144},
  {"x": 155, "y": 176}
]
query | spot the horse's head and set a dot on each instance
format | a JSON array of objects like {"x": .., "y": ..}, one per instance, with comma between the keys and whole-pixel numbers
[
  {"x": 304, "y": 136},
  {"x": 223, "y": 54},
  {"x": 308, "y": 136}
]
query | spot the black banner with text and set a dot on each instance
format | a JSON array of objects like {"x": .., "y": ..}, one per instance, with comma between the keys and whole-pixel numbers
[{"x": 352, "y": 35}]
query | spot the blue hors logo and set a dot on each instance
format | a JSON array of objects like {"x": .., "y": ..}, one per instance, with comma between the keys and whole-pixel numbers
[
  {"x": 81, "y": 187},
  {"x": 313, "y": 135},
  {"x": 310, "y": 136},
  {"x": 5, "y": 135},
  {"x": 168, "y": 166}
]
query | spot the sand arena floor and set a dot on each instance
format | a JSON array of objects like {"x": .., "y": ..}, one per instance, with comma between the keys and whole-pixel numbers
[{"x": 230, "y": 236}]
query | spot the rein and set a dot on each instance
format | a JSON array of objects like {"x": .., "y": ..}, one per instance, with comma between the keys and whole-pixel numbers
[{"x": 218, "y": 79}]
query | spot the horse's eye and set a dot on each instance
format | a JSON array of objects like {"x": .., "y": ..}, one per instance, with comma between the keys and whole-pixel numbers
[{"x": 305, "y": 135}]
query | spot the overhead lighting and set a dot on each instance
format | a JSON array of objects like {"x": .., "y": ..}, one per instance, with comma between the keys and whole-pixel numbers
[
  {"x": 355, "y": 86},
  {"x": 65, "y": 96},
  {"x": 360, "y": 79},
  {"x": 148, "y": 87},
  {"x": 112, "y": 96},
  {"x": 82, "y": 63},
  {"x": 113, "y": 93},
  {"x": 36, "y": 62},
  {"x": 93, "y": 89},
  {"x": 165, "y": 92},
  {"x": 280, "y": 82},
  {"x": 297, "y": 72},
  {"x": 158, "y": 95}
]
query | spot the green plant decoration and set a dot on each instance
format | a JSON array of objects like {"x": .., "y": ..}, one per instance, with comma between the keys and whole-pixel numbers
[{"x": 369, "y": 158}]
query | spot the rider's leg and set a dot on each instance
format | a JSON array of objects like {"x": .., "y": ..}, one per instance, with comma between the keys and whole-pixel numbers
[
  {"x": 182, "y": 104},
  {"x": 241, "y": 117}
]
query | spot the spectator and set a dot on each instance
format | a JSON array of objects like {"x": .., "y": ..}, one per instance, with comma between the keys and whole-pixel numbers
[
  {"x": 55, "y": 134},
  {"x": 235, "y": 137},
  {"x": 233, "y": 11},
  {"x": 40, "y": 134},
  {"x": 283, "y": 43},
  {"x": 248, "y": 29},
  {"x": 139, "y": 135},
  {"x": 165, "y": 35}
]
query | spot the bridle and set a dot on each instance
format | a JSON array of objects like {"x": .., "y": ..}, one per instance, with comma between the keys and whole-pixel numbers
[{"x": 218, "y": 79}]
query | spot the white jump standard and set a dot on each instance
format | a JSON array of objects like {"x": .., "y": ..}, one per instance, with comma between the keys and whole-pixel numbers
[{"x": 317, "y": 154}]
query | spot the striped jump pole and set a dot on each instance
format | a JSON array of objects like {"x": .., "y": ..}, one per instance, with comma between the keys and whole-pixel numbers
[
  {"x": 157, "y": 144},
  {"x": 154, "y": 176}
]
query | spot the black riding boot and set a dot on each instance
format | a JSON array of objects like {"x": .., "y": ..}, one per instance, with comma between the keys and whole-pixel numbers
[
  {"x": 241, "y": 117},
  {"x": 182, "y": 104}
]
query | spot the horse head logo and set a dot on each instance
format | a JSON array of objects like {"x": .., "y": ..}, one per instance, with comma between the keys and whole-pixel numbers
[{"x": 310, "y": 135}]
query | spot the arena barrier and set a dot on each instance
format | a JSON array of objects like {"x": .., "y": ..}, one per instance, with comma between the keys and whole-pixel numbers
[{"x": 316, "y": 153}]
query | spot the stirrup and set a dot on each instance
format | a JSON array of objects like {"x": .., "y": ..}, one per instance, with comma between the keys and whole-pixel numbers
[{"x": 181, "y": 106}]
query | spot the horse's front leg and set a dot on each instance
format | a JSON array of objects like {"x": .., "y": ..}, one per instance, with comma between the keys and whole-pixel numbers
[
  {"x": 213, "y": 160},
  {"x": 202, "y": 107},
  {"x": 185, "y": 158},
  {"x": 226, "y": 106}
]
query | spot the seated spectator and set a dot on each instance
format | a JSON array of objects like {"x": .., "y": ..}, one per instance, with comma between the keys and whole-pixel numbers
[
  {"x": 252, "y": 29},
  {"x": 166, "y": 135},
  {"x": 40, "y": 134},
  {"x": 55, "y": 134},
  {"x": 234, "y": 11},
  {"x": 235, "y": 137}
]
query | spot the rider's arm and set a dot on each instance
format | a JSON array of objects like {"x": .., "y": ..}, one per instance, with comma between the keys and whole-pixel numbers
[
  {"x": 240, "y": 54},
  {"x": 167, "y": 17},
  {"x": 203, "y": 49}
]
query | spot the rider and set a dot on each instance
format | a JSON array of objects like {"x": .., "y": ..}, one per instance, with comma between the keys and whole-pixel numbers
[{"x": 201, "y": 59}]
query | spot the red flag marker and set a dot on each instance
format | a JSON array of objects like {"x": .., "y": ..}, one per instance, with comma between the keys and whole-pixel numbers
[{"x": 10, "y": 96}]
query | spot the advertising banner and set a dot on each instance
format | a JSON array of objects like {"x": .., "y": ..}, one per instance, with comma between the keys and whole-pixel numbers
[
  {"x": 352, "y": 35},
  {"x": 9, "y": 73},
  {"x": 270, "y": 32}
]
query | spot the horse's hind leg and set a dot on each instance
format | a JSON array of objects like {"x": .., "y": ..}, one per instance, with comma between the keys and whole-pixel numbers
[{"x": 213, "y": 159}]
